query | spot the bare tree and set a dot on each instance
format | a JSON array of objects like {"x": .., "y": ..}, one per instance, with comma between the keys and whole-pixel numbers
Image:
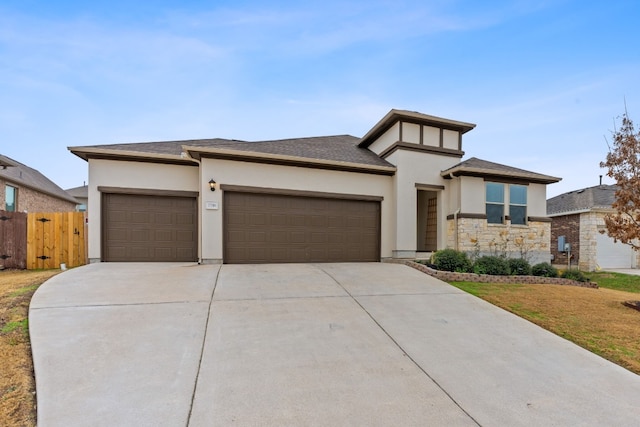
[{"x": 623, "y": 164}]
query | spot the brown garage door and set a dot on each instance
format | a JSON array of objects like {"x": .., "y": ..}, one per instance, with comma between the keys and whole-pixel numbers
[
  {"x": 270, "y": 228},
  {"x": 149, "y": 228}
]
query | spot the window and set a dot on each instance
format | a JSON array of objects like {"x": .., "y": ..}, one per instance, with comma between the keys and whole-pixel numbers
[
  {"x": 10, "y": 198},
  {"x": 518, "y": 204},
  {"x": 495, "y": 202}
]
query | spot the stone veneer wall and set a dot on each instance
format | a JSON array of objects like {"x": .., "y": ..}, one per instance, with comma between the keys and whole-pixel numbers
[
  {"x": 590, "y": 223},
  {"x": 448, "y": 276},
  {"x": 476, "y": 237}
]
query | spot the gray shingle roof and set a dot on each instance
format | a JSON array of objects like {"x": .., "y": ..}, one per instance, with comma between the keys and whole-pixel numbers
[
  {"x": 21, "y": 174},
  {"x": 479, "y": 167},
  {"x": 341, "y": 148},
  {"x": 600, "y": 196},
  {"x": 82, "y": 191}
]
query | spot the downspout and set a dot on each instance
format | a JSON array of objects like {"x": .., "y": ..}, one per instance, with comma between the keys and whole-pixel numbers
[
  {"x": 455, "y": 222},
  {"x": 185, "y": 155},
  {"x": 456, "y": 213}
]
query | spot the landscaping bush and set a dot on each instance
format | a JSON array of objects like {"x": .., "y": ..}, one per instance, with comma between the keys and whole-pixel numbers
[
  {"x": 574, "y": 275},
  {"x": 544, "y": 269},
  {"x": 451, "y": 260},
  {"x": 519, "y": 266},
  {"x": 494, "y": 265}
]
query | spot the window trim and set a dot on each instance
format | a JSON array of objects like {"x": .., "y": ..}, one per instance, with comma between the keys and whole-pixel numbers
[
  {"x": 487, "y": 203},
  {"x": 525, "y": 205}
]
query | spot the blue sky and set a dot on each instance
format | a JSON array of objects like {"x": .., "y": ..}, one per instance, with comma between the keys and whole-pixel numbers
[{"x": 543, "y": 80}]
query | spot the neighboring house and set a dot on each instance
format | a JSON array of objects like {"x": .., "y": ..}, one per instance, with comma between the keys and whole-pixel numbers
[
  {"x": 81, "y": 194},
  {"x": 23, "y": 189},
  {"x": 399, "y": 191},
  {"x": 578, "y": 216}
]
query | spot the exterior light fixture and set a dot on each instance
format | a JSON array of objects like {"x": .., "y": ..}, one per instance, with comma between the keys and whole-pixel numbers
[{"x": 212, "y": 185}]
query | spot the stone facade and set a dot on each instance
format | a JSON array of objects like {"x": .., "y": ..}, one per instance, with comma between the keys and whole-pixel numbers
[
  {"x": 590, "y": 224},
  {"x": 30, "y": 200},
  {"x": 477, "y": 238}
]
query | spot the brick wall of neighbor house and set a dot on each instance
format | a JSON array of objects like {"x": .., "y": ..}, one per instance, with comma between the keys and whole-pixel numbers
[
  {"x": 569, "y": 227},
  {"x": 33, "y": 201},
  {"x": 477, "y": 238}
]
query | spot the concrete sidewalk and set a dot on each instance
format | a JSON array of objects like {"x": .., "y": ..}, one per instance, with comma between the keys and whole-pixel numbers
[{"x": 327, "y": 344}]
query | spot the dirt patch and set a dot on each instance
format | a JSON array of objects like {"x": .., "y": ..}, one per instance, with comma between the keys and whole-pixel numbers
[
  {"x": 17, "y": 386},
  {"x": 595, "y": 319}
]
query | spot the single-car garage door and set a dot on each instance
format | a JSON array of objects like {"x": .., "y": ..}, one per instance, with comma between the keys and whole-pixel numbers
[
  {"x": 612, "y": 254},
  {"x": 271, "y": 228},
  {"x": 149, "y": 228}
]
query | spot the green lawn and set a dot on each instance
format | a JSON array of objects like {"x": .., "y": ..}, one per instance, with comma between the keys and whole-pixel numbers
[{"x": 617, "y": 281}]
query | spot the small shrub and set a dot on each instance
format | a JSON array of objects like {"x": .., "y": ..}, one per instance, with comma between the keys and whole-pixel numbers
[
  {"x": 519, "y": 266},
  {"x": 574, "y": 275},
  {"x": 451, "y": 260},
  {"x": 544, "y": 269},
  {"x": 497, "y": 266}
]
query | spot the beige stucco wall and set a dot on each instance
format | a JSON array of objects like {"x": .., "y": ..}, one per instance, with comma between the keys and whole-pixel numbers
[
  {"x": 136, "y": 175},
  {"x": 417, "y": 168},
  {"x": 431, "y": 136},
  {"x": 387, "y": 139},
  {"x": 411, "y": 133},
  {"x": 450, "y": 139},
  {"x": 290, "y": 178},
  {"x": 473, "y": 197}
]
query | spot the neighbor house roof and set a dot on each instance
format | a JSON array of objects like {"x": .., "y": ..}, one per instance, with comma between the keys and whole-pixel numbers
[
  {"x": 15, "y": 172},
  {"x": 81, "y": 192},
  {"x": 483, "y": 168},
  {"x": 598, "y": 197},
  {"x": 340, "y": 151}
]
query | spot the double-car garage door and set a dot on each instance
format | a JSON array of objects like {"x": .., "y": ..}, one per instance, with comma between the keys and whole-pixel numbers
[
  {"x": 271, "y": 228},
  {"x": 257, "y": 228}
]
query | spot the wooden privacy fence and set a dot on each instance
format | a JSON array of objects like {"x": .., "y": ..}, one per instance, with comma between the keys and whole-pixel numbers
[
  {"x": 13, "y": 240},
  {"x": 43, "y": 240}
]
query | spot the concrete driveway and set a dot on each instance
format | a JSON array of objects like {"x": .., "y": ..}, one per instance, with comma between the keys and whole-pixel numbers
[{"x": 324, "y": 344}]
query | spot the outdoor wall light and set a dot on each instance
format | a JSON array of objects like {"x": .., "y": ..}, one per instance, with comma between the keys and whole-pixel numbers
[{"x": 212, "y": 185}]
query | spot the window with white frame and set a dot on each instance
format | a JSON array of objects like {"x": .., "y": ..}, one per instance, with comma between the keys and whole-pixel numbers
[
  {"x": 494, "y": 193},
  {"x": 518, "y": 204},
  {"x": 10, "y": 198}
]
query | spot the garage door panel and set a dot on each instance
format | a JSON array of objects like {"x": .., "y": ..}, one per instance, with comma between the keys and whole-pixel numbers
[
  {"x": 299, "y": 229},
  {"x": 149, "y": 228},
  {"x": 185, "y": 236},
  {"x": 163, "y": 236}
]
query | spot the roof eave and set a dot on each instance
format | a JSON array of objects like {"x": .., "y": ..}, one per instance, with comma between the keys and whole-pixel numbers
[
  {"x": 87, "y": 153},
  {"x": 481, "y": 173}
]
